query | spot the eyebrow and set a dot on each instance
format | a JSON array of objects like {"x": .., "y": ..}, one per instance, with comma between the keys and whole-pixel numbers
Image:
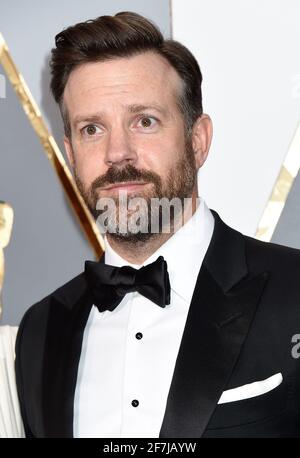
[{"x": 135, "y": 108}]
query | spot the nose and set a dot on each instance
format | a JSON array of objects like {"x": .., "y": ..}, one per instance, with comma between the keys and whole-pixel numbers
[{"x": 119, "y": 148}]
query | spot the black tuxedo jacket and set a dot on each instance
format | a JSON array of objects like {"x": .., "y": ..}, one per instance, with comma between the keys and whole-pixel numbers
[{"x": 243, "y": 315}]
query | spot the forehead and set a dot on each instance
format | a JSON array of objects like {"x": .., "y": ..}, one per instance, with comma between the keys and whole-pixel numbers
[{"x": 143, "y": 78}]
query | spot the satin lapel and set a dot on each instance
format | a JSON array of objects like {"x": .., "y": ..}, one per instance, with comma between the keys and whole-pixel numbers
[
  {"x": 62, "y": 354},
  {"x": 218, "y": 321}
]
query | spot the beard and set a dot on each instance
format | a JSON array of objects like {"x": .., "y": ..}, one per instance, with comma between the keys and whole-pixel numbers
[{"x": 176, "y": 186}]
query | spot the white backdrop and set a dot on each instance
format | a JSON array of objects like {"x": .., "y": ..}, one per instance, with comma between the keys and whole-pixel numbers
[{"x": 249, "y": 55}]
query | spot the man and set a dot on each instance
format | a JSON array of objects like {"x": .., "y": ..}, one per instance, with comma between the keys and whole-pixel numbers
[{"x": 181, "y": 331}]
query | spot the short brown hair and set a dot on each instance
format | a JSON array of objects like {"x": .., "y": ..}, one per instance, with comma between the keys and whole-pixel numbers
[{"x": 123, "y": 35}]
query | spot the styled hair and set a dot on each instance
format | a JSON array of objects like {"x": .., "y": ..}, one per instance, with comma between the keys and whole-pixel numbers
[{"x": 124, "y": 35}]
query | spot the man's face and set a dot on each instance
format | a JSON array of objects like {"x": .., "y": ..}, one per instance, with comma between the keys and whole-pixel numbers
[{"x": 127, "y": 131}]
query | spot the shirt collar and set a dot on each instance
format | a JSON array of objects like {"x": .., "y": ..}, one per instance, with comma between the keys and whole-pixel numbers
[{"x": 183, "y": 252}]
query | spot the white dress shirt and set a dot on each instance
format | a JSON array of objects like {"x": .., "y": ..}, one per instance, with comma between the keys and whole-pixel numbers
[{"x": 128, "y": 355}]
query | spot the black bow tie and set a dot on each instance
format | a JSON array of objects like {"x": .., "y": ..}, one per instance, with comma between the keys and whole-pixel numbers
[{"x": 109, "y": 284}]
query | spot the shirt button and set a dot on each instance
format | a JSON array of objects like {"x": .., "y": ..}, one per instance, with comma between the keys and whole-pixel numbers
[
  {"x": 139, "y": 335},
  {"x": 135, "y": 403}
]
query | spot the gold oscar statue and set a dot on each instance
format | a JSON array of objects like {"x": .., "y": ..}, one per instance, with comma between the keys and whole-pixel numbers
[{"x": 6, "y": 222}]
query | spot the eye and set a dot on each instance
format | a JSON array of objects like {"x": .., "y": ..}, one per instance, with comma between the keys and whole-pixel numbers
[
  {"x": 147, "y": 122},
  {"x": 91, "y": 130}
]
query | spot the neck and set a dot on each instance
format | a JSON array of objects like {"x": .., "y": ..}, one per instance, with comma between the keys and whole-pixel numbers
[{"x": 136, "y": 252}]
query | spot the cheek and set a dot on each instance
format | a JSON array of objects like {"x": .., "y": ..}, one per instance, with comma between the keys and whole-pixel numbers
[
  {"x": 88, "y": 165},
  {"x": 161, "y": 155}
]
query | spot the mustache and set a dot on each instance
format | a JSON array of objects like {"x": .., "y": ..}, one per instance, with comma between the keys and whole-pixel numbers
[{"x": 115, "y": 175}]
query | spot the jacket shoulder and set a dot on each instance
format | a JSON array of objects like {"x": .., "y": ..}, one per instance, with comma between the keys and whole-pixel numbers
[{"x": 272, "y": 253}]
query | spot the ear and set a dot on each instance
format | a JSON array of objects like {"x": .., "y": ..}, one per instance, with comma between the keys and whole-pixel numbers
[
  {"x": 201, "y": 138},
  {"x": 69, "y": 151}
]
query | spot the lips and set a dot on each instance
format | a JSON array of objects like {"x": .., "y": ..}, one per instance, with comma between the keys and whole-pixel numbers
[{"x": 125, "y": 186}]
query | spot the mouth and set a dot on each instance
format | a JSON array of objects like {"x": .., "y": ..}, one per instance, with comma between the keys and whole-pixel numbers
[{"x": 125, "y": 186}]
